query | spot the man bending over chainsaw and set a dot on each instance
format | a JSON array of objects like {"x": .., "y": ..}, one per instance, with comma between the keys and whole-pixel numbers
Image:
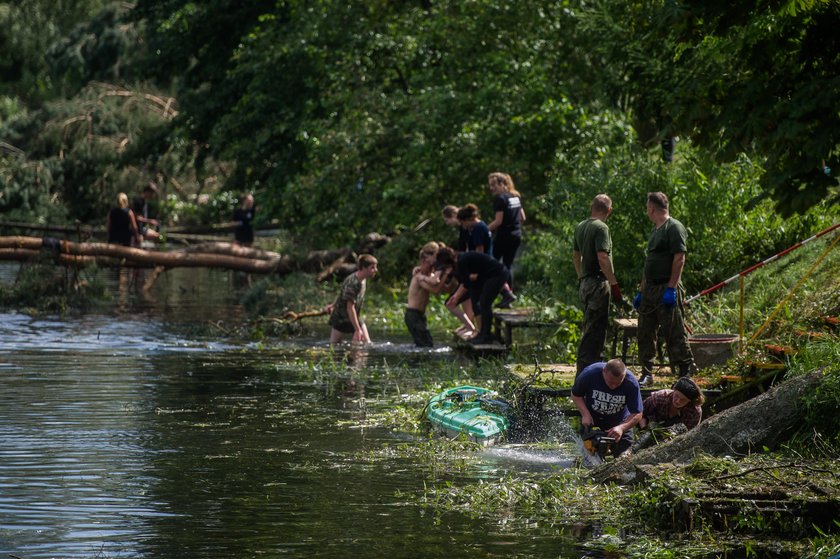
[{"x": 607, "y": 396}]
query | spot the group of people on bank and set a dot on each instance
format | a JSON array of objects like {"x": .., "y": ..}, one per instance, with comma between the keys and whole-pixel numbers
[
  {"x": 659, "y": 300},
  {"x": 608, "y": 397},
  {"x": 130, "y": 225},
  {"x": 606, "y": 394}
]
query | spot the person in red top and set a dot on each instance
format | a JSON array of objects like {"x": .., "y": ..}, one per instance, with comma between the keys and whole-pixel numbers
[{"x": 680, "y": 404}]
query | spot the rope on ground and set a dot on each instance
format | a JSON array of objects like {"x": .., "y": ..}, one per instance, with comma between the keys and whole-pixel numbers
[{"x": 795, "y": 287}]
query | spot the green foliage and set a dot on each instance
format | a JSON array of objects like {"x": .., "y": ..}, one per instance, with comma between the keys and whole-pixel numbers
[
  {"x": 728, "y": 229},
  {"x": 756, "y": 77},
  {"x": 28, "y": 28},
  {"x": 821, "y": 405}
]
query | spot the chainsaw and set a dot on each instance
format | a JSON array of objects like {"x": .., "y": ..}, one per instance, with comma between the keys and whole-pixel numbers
[{"x": 596, "y": 442}]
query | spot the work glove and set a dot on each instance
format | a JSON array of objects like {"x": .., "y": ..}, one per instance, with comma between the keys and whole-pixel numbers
[
  {"x": 669, "y": 298},
  {"x": 637, "y": 300},
  {"x": 616, "y": 292}
]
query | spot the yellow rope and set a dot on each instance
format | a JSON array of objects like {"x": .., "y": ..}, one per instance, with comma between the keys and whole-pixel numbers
[{"x": 795, "y": 287}]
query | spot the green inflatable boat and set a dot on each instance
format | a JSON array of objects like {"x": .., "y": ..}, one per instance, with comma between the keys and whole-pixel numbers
[{"x": 469, "y": 411}]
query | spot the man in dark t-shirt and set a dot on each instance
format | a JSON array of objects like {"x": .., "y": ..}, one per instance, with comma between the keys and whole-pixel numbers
[{"x": 607, "y": 396}]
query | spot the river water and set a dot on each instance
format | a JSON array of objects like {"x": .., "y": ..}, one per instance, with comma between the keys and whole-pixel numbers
[{"x": 121, "y": 435}]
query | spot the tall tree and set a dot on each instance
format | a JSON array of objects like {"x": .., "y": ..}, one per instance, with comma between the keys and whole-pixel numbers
[{"x": 760, "y": 77}]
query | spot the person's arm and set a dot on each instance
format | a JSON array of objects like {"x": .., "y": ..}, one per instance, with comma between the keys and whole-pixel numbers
[
  {"x": 606, "y": 267},
  {"x": 676, "y": 269},
  {"x": 497, "y": 221},
  {"x": 617, "y": 431},
  {"x": 577, "y": 258},
  {"x": 431, "y": 283},
  {"x": 134, "y": 229},
  {"x": 585, "y": 416},
  {"x": 450, "y": 303},
  {"x": 521, "y": 216},
  {"x": 358, "y": 334}
]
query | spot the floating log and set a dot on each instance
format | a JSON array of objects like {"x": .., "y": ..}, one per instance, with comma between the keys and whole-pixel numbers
[{"x": 68, "y": 252}]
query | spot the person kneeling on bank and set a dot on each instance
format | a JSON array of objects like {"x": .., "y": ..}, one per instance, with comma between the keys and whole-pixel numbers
[{"x": 679, "y": 404}]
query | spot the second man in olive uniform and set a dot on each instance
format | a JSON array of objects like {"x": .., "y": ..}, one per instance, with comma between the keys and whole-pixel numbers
[{"x": 660, "y": 301}]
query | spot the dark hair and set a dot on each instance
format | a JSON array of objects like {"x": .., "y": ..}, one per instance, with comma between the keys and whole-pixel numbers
[
  {"x": 616, "y": 368},
  {"x": 366, "y": 261},
  {"x": 690, "y": 390},
  {"x": 658, "y": 199},
  {"x": 469, "y": 211},
  {"x": 446, "y": 257}
]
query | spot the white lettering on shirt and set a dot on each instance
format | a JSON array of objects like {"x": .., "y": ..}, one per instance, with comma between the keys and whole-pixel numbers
[{"x": 606, "y": 403}]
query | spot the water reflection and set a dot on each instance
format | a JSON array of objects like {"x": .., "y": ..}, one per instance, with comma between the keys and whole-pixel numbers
[{"x": 122, "y": 436}]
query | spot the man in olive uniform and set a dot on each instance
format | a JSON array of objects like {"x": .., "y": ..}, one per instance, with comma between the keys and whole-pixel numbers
[
  {"x": 660, "y": 301},
  {"x": 592, "y": 256}
]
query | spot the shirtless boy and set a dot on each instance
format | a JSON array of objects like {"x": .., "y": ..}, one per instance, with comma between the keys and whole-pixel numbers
[{"x": 424, "y": 282}]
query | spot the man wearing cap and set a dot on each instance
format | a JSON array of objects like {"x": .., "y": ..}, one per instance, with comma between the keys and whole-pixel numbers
[
  {"x": 592, "y": 257},
  {"x": 607, "y": 396},
  {"x": 140, "y": 206}
]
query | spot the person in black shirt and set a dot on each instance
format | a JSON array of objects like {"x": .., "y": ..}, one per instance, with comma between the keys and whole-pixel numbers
[
  {"x": 243, "y": 216},
  {"x": 142, "y": 213},
  {"x": 121, "y": 225},
  {"x": 491, "y": 276}
]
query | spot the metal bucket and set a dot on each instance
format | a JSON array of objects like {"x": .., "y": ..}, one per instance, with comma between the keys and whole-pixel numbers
[{"x": 712, "y": 349}]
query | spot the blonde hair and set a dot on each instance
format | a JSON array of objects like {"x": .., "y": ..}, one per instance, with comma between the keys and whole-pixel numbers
[
  {"x": 122, "y": 200},
  {"x": 503, "y": 181},
  {"x": 431, "y": 248}
]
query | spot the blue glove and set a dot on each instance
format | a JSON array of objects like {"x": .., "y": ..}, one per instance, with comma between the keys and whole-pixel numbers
[
  {"x": 669, "y": 298},
  {"x": 637, "y": 301}
]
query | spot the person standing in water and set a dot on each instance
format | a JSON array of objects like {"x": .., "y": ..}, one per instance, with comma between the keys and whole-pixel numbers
[
  {"x": 345, "y": 312},
  {"x": 121, "y": 225}
]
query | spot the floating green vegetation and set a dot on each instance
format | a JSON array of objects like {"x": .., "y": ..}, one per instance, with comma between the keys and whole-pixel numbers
[
  {"x": 563, "y": 497},
  {"x": 650, "y": 520},
  {"x": 43, "y": 286}
]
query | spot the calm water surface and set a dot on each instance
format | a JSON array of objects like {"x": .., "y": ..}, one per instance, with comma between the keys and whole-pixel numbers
[{"x": 120, "y": 436}]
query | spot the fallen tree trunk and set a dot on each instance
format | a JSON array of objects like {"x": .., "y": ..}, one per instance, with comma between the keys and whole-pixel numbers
[
  {"x": 764, "y": 421},
  {"x": 233, "y": 249},
  {"x": 68, "y": 252}
]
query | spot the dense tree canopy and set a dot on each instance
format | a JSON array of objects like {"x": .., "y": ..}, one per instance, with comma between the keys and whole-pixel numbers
[
  {"x": 349, "y": 117},
  {"x": 759, "y": 77}
]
